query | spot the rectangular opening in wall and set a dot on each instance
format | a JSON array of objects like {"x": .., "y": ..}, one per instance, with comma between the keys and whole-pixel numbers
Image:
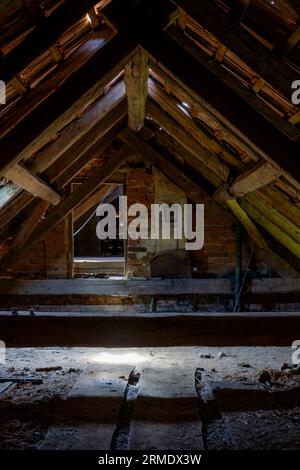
[{"x": 94, "y": 257}]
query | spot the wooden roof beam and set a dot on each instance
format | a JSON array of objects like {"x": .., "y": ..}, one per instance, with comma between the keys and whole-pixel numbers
[
  {"x": 213, "y": 93},
  {"x": 72, "y": 161},
  {"x": 214, "y": 66},
  {"x": 47, "y": 30},
  {"x": 100, "y": 70},
  {"x": 224, "y": 27}
]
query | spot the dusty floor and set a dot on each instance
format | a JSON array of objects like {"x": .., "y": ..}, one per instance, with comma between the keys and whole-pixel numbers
[{"x": 89, "y": 398}]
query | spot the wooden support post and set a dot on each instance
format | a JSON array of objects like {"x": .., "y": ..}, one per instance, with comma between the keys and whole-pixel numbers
[{"x": 136, "y": 81}]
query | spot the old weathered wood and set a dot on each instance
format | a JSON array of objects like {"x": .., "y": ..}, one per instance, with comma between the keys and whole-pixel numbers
[
  {"x": 150, "y": 330},
  {"x": 204, "y": 86},
  {"x": 87, "y": 128},
  {"x": 189, "y": 43},
  {"x": 46, "y": 32},
  {"x": 238, "y": 40},
  {"x": 256, "y": 177},
  {"x": 136, "y": 80},
  {"x": 103, "y": 66},
  {"x": 62, "y": 172},
  {"x": 25, "y": 179},
  {"x": 44, "y": 90},
  {"x": 186, "y": 140}
]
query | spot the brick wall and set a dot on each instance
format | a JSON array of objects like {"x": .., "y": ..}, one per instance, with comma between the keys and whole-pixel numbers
[
  {"x": 46, "y": 259},
  {"x": 140, "y": 189}
]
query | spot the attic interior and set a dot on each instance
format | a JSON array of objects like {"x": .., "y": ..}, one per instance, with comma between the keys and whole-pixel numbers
[{"x": 141, "y": 344}]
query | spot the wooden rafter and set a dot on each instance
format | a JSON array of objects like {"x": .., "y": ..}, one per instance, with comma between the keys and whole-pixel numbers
[
  {"x": 47, "y": 30},
  {"x": 247, "y": 47},
  {"x": 221, "y": 72},
  {"x": 69, "y": 165},
  {"x": 204, "y": 86},
  {"x": 104, "y": 66}
]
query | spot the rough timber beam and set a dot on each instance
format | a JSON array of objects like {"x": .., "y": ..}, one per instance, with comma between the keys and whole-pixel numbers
[
  {"x": 103, "y": 66},
  {"x": 42, "y": 92},
  {"x": 23, "y": 178},
  {"x": 215, "y": 67},
  {"x": 149, "y": 329},
  {"x": 225, "y": 28},
  {"x": 184, "y": 182},
  {"x": 66, "y": 206},
  {"x": 47, "y": 30},
  {"x": 136, "y": 81},
  {"x": 204, "y": 86}
]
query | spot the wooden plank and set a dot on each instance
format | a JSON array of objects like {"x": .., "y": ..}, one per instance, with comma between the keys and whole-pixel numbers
[
  {"x": 145, "y": 287},
  {"x": 136, "y": 80},
  {"x": 34, "y": 185},
  {"x": 212, "y": 92},
  {"x": 87, "y": 128},
  {"x": 117, "y": 287},
  {"x": 275, "y": 286},
  {"x": 103, "y": 66},
  {"x": 255, "y": 178},
  {"x": 151, "y": 330},
  {"x": 66, "y": 206},
  {"x": 224, "y": 27}
]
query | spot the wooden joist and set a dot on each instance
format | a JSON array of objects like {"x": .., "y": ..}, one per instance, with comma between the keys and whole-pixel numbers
[
  {"x": 66, "y": 206},
  {"x": 282, "y": 236},
  {"x": 224, "y": 27},
  {"x": 149, "y": 329},
  {"x": 147, "y": 287},
  {"x": 84, "y": 131},
  {"x": 34, "y": 185},
  {"x": 136, "y": 80}
]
